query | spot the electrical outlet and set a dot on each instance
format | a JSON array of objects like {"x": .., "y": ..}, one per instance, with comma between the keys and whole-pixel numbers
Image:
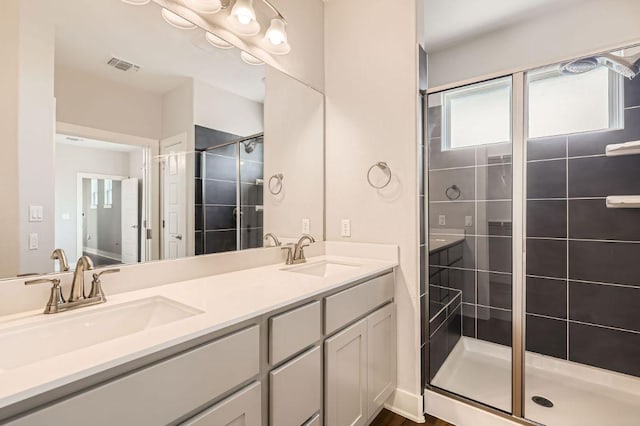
[
  {"x": 442, "y": 220},
  {"x": 468, "y": 221},
  {"x": 33, "y": 241},
  {"x": 305, "y": 226},
  {"x": 345, "y": 228}
]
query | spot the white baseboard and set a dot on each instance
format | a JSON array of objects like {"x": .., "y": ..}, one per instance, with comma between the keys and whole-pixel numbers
[{"x": 407, "y": 405}]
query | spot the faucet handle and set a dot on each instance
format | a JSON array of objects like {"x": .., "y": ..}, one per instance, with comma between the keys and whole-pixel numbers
[
  {"x": 55, "y": 299},
  {"x": 96, "y": 284},
  {"x": 289, "y": 248}
]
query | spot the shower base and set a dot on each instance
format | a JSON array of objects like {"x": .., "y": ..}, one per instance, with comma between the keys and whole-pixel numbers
[{"x": 581, "y": 395}]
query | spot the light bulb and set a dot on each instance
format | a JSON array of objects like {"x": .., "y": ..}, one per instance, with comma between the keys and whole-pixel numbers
[
  {"x": 243, "y": 11},
  {"x": 176, "y": 20},
  {"x": 242, "y": 19},
  {"x": 277, "y": 34}
]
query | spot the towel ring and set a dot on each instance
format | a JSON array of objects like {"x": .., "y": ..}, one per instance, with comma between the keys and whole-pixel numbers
[
  {"x": 386, "y": 170},
  {"x": 453, "y": 192},
  {"x": 278, "y": 184}
]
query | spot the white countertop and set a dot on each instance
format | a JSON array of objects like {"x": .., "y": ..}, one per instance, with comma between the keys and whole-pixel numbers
[{"x": 225, "y": 300}]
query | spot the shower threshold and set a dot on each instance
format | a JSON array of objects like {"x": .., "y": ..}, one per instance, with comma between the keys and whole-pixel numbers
[{"x": 581, "y": 395}]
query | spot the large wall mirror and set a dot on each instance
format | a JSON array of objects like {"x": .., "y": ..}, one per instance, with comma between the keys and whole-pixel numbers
[{"x": 144, "y": 137}]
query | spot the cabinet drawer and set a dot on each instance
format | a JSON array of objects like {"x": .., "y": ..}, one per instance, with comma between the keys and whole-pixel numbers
[
  {"x": 295, "y": 390},
  {"x": 293, "y": 331},
  {"x": 240, "y": 409},
  {"x": 163, "y": 392},
  {"x": 351, "y": 304}
]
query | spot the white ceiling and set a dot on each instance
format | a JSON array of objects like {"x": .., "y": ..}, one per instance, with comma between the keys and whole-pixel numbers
[
  {"x": 448, "y": 22},
  {"x": 90, "y": 32}
]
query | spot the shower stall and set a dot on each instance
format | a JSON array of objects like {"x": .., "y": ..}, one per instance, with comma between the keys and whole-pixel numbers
[
  {"x": 531, "y": 254},
  {"x": 229, "y": 195}
]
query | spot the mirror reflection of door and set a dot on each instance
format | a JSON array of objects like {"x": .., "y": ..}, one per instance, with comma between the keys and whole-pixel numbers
[
  {"x": 173, "y": 192},
  {"x": 130, "y": 220}
]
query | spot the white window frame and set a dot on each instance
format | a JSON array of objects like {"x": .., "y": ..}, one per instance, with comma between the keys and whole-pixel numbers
[
  {"x": 94, "y": 194},
  {"x": 108, "y": 193},
  {"x": 483, "y": 86}
]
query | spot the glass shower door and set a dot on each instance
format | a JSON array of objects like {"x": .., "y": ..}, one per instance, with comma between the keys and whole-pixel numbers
[
  {"x": 469, "y": 231},
  {"x": 251, "y": 177}
]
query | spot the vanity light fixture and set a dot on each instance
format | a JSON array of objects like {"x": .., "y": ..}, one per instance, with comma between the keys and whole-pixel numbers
[
  {"x": 250, "y": 59},
  {"x": 208, "y": 7},
  {"x": 275, "y": 39},
  {"x": 242, "y": 19},
  {"x": 176, "y": 20},
  {"x": 216, "y": 41},
  {"x": 137, "y": 2}
]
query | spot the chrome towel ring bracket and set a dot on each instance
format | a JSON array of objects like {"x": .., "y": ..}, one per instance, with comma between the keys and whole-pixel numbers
[
  {"x": 275, "y": 184},
  {"x": 453, "y": 192},
  {"x": 385, "y": 169}
]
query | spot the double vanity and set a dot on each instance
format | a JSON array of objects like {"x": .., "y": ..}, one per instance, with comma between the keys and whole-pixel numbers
[{"x": 307, "y": 344}]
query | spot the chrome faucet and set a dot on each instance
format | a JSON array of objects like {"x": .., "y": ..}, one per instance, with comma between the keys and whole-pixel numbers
[
  {"x": 77, "y": 287},
  {"x": 77, "y": 298},
  {"x": 298, "y": 250},
  {"x": 275, "y": 239},
  {"x": 59, "y": 255}
]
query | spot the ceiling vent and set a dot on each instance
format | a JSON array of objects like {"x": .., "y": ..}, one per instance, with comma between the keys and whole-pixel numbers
[{"x": 123, "y": 65}]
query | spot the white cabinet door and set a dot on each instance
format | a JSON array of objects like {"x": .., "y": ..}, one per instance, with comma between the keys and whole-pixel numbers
[
  {"x": 295, "y": 389},
  {"x": 243, "y": 408},
  {"x": 346, "y": 376},
  {"x": 381, "y": 356}
]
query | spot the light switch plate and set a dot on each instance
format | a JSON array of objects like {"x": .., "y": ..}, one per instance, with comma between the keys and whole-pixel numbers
[
  {"x": 305, "y": 226},
  {"x": 442, "y": 220},
  {"x": 345, "y": 228},
  {"x": 33, "y": 241},
  {"x": 36, "y": 213},
  {"x": 468, "y": 221}
]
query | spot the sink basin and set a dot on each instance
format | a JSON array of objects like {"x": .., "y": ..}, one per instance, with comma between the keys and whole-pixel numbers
[
  {"x": 66, "y": 332},
  {"x": 323, "y": 269}
]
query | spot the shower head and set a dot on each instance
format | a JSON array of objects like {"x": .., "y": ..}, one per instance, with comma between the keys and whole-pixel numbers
[
  {"x": 627, "y": 67},
  {"x": 249, "y": 146}
]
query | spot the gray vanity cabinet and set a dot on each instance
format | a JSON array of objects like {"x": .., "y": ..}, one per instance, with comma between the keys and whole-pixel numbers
[
  {"x": 360, "y": 369},
  {"x": 240, "y": 409}
]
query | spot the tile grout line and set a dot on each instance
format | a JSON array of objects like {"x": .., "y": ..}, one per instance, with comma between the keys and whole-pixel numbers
[{"x": 567, "y": 245}]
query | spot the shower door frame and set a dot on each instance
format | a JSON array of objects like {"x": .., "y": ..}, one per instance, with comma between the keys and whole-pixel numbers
[
  {"x": 518, "y": 140},
  {"x": 519, "y": 118}
]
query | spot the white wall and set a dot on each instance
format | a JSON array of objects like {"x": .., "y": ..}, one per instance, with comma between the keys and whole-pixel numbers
[
  {"x": 9, "y": 16},
  {"x": 371, "y": 115},
  {"x": 218, "y": 109},
  {"x": 294, "y": 146},
  {"x": 566, "y": 33},
  {"x": 71, "y": 160},
  {"x": 91, "y": 101},
  {"x": 36, "y": 124}
]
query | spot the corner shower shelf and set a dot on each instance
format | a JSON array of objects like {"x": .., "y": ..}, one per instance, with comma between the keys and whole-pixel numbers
[
  {"x": 623, "y": 202},
  {"x": 627, "y": 148}
]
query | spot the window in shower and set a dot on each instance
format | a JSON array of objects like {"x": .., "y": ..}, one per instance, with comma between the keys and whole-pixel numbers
[
  {"x": 479, "y": 114},
  {"x": 562, "y": 104},
  {"x": 470, "y": 241}
]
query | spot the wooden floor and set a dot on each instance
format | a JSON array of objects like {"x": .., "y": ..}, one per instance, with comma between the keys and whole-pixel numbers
[{"x": 387, "y": 418}]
